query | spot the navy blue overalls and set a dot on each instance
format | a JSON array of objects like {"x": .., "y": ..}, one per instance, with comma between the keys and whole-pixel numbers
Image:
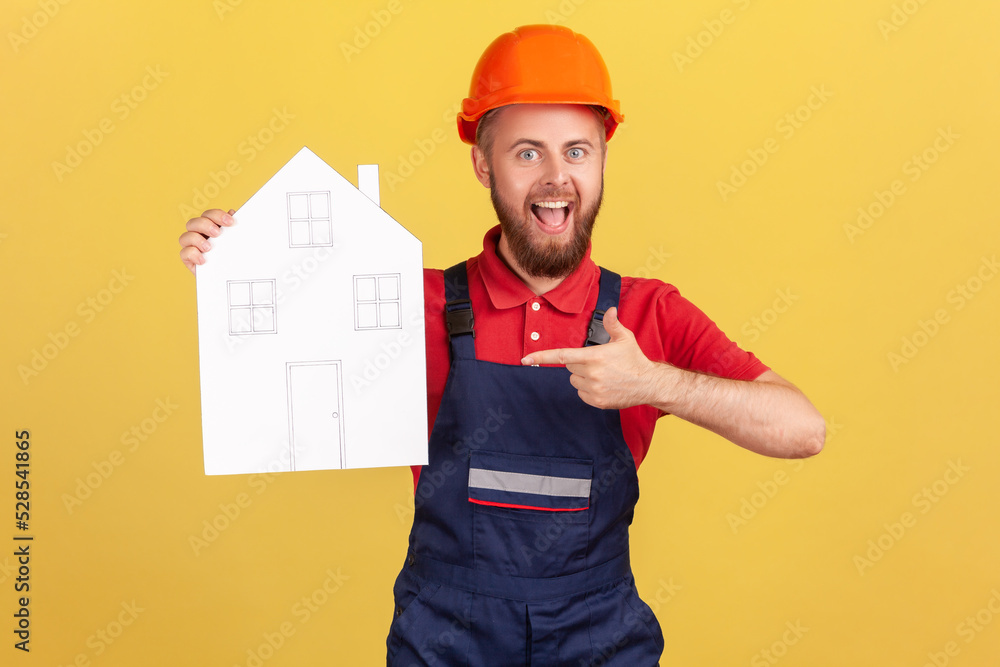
[{"x": 519, "y": 547}]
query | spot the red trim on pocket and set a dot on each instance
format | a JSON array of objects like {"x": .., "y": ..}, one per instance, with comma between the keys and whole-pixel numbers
[{"x": 529, "y": 507}]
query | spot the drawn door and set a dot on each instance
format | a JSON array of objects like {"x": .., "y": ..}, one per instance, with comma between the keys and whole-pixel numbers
[{"x": 315, "y": 421}]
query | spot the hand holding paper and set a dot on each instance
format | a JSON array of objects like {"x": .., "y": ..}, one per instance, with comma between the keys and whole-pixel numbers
[{"x": 195, "y": 241}]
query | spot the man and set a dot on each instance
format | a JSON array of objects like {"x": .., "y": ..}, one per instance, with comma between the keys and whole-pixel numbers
[{"x": 542, "y": 399}]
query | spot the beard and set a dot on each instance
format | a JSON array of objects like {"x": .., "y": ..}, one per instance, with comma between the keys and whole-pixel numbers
[{"x": 551, "y": 258}]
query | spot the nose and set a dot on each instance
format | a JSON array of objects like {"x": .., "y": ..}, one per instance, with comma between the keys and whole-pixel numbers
[{"x": 555, "y": 173}]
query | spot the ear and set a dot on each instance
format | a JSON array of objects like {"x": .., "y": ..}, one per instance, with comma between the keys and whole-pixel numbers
[{"x": 480, "y": 166}]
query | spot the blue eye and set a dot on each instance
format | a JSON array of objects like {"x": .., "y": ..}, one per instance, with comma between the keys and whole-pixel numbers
[
  {"x": 529, "y": 154},
  {"x": 575, "y": 153}
]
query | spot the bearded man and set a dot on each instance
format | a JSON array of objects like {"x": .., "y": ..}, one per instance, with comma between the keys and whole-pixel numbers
[{"x": 546, "y": 375}]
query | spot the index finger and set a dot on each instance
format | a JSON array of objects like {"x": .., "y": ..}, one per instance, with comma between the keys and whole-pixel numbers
[
  {"x": 220, "y": 217},
  {"x": 210, "y": 223},
  {"x": 559, "y": 356}
]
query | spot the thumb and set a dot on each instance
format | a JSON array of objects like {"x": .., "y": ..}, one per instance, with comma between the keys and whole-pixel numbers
[{"x": 614, "y": 327}]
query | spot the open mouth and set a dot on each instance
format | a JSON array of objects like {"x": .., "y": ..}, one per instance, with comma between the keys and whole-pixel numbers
[{"x": 552, "y": 216}]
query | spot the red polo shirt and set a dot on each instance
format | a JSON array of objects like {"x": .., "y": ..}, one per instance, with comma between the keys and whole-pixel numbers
[{"x": 512, "y": 322}]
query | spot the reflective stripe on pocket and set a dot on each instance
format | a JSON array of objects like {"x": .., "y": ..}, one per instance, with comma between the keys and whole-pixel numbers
[{"x": 529, "y": 482}]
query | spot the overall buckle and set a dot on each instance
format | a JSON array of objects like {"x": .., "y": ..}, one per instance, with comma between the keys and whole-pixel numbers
[
  {"x": 459, "y": 317},
  {"x": 596, "y": 333}
]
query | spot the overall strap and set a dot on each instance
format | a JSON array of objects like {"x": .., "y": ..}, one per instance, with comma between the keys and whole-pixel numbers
[
  {"x": 607, "y": 297},
  {"x": 458, "y": 313},
  {"x": 461, "y": 321}
]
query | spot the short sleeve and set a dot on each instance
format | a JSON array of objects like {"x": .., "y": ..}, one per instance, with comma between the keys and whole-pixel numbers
[{"x": 670, "y": 328}]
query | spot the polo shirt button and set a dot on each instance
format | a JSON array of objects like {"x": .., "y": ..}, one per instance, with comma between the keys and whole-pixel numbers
[
  {"x": 536, "y": 306},
  {"x": 534, "y": 335},
  {"x": 399, "y": 611}
]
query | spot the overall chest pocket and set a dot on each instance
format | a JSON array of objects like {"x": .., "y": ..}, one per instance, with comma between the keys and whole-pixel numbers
[{"x": 530, "y": 514}]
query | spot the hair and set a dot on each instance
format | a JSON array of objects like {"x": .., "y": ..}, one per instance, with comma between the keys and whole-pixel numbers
[{"x": 486, "y": 129}]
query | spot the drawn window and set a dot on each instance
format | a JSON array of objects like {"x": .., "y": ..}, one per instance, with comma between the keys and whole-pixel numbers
[
  {"x": 251, "y": 307},
  {"x": 309, "y": 221},
  {"x": 376, "y": 302}
]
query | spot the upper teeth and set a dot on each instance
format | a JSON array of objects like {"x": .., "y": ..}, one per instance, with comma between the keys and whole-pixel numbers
[{"x": 552, "y": 204}]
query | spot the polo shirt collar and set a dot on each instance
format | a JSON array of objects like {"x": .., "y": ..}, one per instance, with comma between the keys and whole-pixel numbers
[{"x": 507, "y": 291}]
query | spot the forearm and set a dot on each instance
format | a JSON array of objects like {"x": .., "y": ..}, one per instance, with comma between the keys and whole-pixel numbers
[
  {"x": 768, "y": 415},
  {"x": 769, "y": 418}
]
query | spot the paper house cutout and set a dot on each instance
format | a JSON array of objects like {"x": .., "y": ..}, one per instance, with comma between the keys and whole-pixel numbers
[{"x": 311, "y": 331}]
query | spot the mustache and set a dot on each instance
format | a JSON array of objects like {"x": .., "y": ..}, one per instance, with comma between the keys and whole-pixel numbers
[{"x": 552, "y": 195}]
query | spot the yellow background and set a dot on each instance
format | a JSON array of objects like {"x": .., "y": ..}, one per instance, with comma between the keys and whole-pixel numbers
[{"x": 724, "y": 592}]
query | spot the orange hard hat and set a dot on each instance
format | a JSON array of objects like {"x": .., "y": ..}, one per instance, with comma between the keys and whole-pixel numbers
[{"x": 538, "y": 64}]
